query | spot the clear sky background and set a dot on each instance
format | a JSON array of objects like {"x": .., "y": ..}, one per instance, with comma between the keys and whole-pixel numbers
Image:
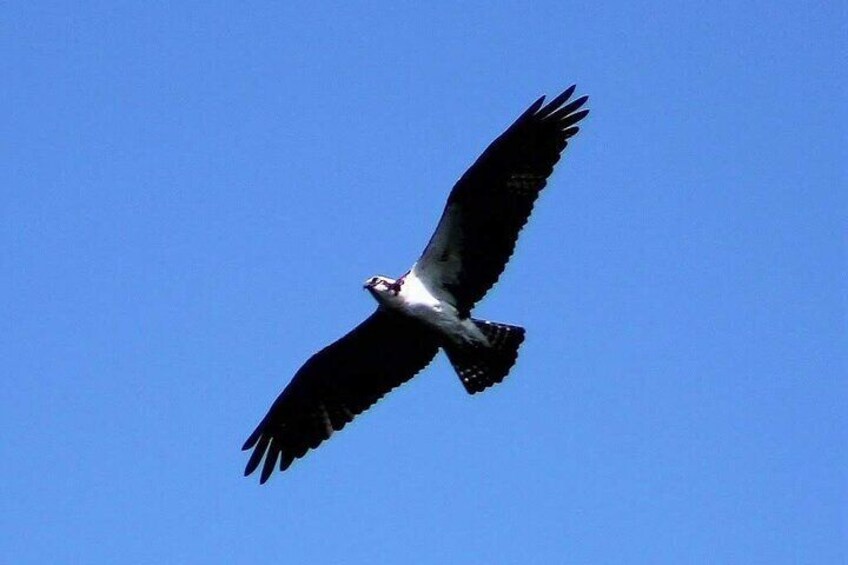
[{"x": 193, "y": 193}]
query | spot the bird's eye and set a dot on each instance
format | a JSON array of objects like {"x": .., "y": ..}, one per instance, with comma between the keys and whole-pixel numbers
[{"x": 373, "y": 280}]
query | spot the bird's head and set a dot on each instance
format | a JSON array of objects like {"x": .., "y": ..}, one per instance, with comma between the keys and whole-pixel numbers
[{"x": 382, "y": 288}]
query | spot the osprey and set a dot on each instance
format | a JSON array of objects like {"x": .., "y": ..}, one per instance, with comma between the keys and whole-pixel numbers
[{"x": 429, "y": 307}]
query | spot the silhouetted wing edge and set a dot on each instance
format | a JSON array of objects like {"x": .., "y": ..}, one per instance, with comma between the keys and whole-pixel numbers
[
  {"x": 555, "y": 118},
  {"x": 338, "y": 383}
]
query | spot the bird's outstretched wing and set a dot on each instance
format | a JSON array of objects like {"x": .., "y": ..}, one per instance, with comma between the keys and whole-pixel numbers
[
  {"x": 337, "y": 383},
  {"x": 492, "y": 201}
]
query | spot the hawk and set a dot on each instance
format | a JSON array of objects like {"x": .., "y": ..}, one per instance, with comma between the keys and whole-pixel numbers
[{"x": 429, "y": 307}]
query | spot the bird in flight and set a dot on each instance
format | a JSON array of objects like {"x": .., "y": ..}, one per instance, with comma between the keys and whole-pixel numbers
[{"x": 429, "y": 307}]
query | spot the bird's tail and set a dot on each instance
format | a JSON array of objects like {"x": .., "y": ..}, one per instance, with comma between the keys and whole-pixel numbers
[{"x": 480, "y": 366}]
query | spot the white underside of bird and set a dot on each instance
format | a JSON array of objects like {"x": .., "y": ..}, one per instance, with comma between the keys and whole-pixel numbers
[{"x": 410, "y": 296}]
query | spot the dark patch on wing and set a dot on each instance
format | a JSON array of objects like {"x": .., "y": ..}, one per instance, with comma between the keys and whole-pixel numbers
[
  {"x": 492, "y": 201},
  {"x": 339, "y": 382}
]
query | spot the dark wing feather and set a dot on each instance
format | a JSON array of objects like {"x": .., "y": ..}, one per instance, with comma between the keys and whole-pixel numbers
[
  {"x": 492, "y": 201},
  {"x": 337, "y": 383}
]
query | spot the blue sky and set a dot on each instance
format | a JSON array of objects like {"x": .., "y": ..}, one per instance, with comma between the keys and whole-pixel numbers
[{"x": 192, "y": 195}]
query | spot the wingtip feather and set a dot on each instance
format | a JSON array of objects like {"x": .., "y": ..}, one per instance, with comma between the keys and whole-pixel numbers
[
  {"x": 256, "y": 456},
  {"x": 566, "y": 111},
  {"x": 570, "y": 132},
  {"x": 252, "y": 463},
  {"x": 534, "y": 107},
  {"x": 286, "y": 460},
  {"x": 573, "y": 118},
  {"x": 251, "y": 441},
  {"x": 554, "y": 104},
  {"x": 270, "y": 463}
]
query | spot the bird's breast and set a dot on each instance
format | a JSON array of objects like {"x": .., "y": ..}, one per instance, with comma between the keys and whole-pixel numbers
[{"x": 414, "y": 293}]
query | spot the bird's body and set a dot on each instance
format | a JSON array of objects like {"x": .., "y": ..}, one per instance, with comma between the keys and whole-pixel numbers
[
  {"x": 409, "y": 296},
  {"x": 429, "y": 307}
]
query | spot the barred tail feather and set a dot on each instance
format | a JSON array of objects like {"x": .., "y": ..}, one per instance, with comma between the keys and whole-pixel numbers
[{"x": 480, "y": 367}]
